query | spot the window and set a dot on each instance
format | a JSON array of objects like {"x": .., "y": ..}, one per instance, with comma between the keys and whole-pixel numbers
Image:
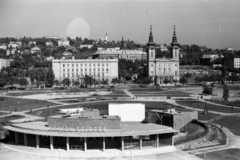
[
  {"x": 73, "y": 70},
  {"x": 107, "y": 69},
  {"x": 90, "y": 65},
  {"x": 102, "y": 69},
  {"x": 85, "y": 69},
  {"x": 63, "y": 65},
  {"x": 73, "y": 65},
  {"x": 151, "y": 53},
  {"x": 76, "y": 65},
  {"x": 85, "y": 65}
]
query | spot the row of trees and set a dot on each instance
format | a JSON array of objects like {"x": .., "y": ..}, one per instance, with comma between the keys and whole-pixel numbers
[{"x": 87, "y": 81}]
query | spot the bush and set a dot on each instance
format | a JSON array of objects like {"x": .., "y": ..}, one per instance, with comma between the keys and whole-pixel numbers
[
  {"x": 193, "y": 136},
  {"x": 207, "y": 90}
]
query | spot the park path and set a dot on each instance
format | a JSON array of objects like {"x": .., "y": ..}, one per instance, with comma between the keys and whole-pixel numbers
[
  {"x": 233, "y": 141},
  {"x": 129, "y": 94}
]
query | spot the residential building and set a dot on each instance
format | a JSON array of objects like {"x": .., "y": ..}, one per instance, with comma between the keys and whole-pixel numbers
[
  {"x": 77, "y": 69},
  {"x": 48, "y": 43},
  {"x": 35, "y": 50},
  {"x": 13, "y": 45},
  {"x": 32, "y": 42},
  {"x": 86, "y": 45},
  {"x": 3, "y": 46},
  {"x": 4, "y": 63},
  {"x": 233, "y": 61},
  {"x": 63, "y": 42},
  {"x": 120, "y": 54},
  {"x": 208, "y": 59},
  {"x": 163, "y": 69}
]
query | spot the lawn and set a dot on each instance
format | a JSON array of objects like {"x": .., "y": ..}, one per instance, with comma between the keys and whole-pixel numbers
[
  {"x": 230, "y": 122},
  {"x": 233, "y": 103},
  {"x": 228, "y": 154},
  {"x": 210, "y": 107},
  {"x": 152, "y": 93},
  {"x": 11, "y": 104},
  {"x": 3, "y": 113},
  {"x": 204, "y": 117},
  {"x": 103, "y": 107}
]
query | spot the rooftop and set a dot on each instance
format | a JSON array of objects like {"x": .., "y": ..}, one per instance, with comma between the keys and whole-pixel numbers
[{"x": 127, "y": 129}]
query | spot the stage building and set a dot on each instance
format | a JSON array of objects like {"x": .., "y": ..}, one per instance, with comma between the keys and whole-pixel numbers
[{"x": 88, "y": 133}]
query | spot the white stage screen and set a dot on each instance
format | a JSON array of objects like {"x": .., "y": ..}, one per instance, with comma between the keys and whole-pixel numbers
[{"x": 127, "y": 111}]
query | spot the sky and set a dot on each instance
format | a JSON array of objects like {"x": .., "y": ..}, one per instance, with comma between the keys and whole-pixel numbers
[{"x": 211, "y": 23}]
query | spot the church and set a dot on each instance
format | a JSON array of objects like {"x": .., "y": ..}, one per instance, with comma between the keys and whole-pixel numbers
[{"x": 163, "y": 70}]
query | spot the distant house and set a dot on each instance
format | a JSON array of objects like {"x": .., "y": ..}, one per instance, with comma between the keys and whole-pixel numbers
[
  {"x": 4, "y": 63},
  {"x": 67, "y": 54},
  {"x": 233, "y": 61},
  {"x": 208, "y": 59},
  {"x": 13, "y": 45},
  {"x": 86, "y": 45},
  {"x": 63, "y": 42},
  {"x": 3, "y": 46},
  {"x": 48, "y": 43},
  {"x": 49, "y": 58},
  {"x": 12, "y": 51},
  {"x": 163, "y": 48},
  {"x": 32, "y": 42},
  {"x": 203, "y": 48},
  {"x": 35, "y": 50}
]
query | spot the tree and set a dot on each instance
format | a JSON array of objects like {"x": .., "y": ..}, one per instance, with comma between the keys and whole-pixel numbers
[
  {"x": 198, "y": 79},
  {"x": 166, "y": 81},
  {"x": 225, "y": 92},
  {"x": 115, "y": 80},
  {"x": 56, "y": 82},
  {"x": 66, "y": 82},
  {"x": 207, "y": 89},
  {"x": 12, "y": 80},
  {"x": 76, "y": 83},
  {"x": 88, "y": 80},
  {"x": 23, "y": 82},
  {"x": 50, "y": 77},
  {"x": 183, "y": 80},
  {"x": 3, "y": 82}
]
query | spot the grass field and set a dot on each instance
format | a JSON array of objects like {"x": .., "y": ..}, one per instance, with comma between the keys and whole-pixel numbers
[
  {"x": 11, "y": 104},
  {"x": 103, "y": 107},
  {"x": 210, "y": 107},
  {"x": 204, "y": 117},
  {"x": 152, "y": 93},
  {"x": 3, "y": 113},
  {"x": 230, "y": 122},
  {"x": 228, "y": 154},
  {"x": 235, "y": 103}
]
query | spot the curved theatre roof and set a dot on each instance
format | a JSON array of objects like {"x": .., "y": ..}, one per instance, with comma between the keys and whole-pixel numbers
[{"x": 127, "y": 129}]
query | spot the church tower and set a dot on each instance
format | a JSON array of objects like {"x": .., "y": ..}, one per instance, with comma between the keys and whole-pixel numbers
[
  {"x": 175, "y": 45},
  {"x": 151, "y": 55},
  {"x": 122, "y": 44}
]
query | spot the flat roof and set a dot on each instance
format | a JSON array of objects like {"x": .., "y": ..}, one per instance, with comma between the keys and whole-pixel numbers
[
  {"x": 84, "y": 117},
  {"x": 127, "y": 129}
]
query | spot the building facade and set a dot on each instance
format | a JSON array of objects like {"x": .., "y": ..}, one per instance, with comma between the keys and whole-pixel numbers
[
  {"x": 233, "y": 61},
  {"x": 164, "y": 69},
  {"x": 77, "y": 69},
  {"x": 4, "y": 63},
  {"x": 90, "y": 133},
  {"x": 121, "y": 54}
]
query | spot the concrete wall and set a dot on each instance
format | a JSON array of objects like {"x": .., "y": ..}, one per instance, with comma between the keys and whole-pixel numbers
[
  {"x": 176, "y": 121},
  {"x": 128, "y": 111}
]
